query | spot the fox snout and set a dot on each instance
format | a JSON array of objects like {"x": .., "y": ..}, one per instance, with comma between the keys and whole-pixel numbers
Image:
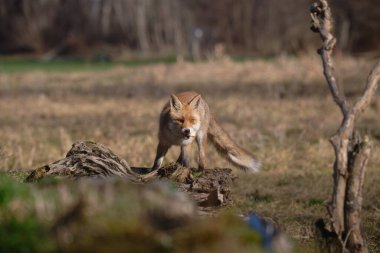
[{"x": 186, "y": 132}]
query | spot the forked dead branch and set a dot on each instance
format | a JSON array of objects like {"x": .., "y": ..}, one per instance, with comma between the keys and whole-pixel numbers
[{"x": 351, "y": 152}]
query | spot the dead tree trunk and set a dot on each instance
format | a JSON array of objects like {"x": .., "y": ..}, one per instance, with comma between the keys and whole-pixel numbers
[{"x": 351, "y": 153}]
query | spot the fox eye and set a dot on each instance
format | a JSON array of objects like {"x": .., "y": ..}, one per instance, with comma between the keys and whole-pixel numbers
[{"x": 179, "y": 121}]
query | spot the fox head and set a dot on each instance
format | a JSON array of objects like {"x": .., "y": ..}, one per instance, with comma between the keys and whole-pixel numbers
[{"x": 185, "y": 118}]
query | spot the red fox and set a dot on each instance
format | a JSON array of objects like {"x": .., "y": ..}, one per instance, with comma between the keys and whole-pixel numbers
[{"x": 185, "y": 118}]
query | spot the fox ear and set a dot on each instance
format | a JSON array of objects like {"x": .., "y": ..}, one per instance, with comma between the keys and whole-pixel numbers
[
  {"x": 195, "y": 101},
  {"x": 175, "y": 103}
]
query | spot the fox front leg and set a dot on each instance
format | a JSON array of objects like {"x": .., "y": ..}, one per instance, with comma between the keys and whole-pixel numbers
[
  {"x": 162, "y": 149},
  {"x": 184, "y": 157},
  {"x": 201, "y": 142}
]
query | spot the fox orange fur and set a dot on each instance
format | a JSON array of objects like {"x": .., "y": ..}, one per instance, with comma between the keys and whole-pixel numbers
[{"x": 186, "y": 117}]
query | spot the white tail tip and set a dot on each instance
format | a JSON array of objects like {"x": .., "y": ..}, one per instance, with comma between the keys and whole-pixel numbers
[{"x": 250, "y": 164}]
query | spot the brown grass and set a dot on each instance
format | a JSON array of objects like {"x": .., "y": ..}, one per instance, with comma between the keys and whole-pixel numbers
[{"x": 278, "y": 109}]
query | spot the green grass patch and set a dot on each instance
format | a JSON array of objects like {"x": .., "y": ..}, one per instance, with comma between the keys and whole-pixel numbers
[
  {"x": 23, "y": 65},
  {"x": 15, "y": 65},
  {"x": 258, "y": 197},
  {"x": 20, "y": 231},
  {"x": 315, "y": 202}
]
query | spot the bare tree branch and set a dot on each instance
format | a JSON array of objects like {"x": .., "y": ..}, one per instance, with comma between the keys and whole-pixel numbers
[
  {"x": 322, "y": 24},
  {"x": 370, "y": 90}
]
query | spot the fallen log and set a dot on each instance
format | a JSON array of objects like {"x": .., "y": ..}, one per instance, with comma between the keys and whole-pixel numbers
[{"x": 88, "y": 159}]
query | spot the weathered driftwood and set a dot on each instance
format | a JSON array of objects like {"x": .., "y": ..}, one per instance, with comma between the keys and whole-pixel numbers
[
  {"x": 351, "y": 153},
  {"x": 87, "y": 159},
  {"x": 91, "y": 160}
]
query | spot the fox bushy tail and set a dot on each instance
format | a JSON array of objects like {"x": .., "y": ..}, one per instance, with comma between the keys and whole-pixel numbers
[{"x": 229, "y": 149}]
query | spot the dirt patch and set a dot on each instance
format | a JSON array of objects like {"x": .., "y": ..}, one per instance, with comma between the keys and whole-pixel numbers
[{"x": 209, "y": 188}]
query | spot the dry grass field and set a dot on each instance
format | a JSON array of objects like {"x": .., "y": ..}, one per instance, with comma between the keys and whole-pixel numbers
[{"x": 279, "y": 109}]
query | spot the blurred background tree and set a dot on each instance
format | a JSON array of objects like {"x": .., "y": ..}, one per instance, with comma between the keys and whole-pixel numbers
[{"x": 52, "y": 28}]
